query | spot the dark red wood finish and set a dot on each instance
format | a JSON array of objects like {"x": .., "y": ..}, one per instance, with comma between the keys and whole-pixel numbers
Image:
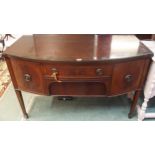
[
  {"x": 129, "y": 76},
  {"x": 78, "y": 65},
  {"x": 29, "y": 75}
]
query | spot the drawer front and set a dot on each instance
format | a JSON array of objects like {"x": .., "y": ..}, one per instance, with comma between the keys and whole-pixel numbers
[
  {"x": 28, "y": 75},
  {"x": 78, "y": 79},
  {"x": 127, "y": 76},
  {"x": 80, "y": 88},
  {"x": 78, "y": 71}
]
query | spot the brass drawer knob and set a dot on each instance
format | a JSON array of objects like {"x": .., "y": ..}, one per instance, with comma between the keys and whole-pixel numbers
[
  {"x": 128, "y": 78},
  {"x": 27, "y": 77},
  {"x": 99, "y": 71}
]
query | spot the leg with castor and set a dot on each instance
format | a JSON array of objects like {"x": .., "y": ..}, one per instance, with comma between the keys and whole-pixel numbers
[
  {"x": 133, "y": 104},
  {"x": 21, "y": 102}
]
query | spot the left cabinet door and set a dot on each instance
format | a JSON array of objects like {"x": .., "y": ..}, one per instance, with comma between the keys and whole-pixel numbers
[{"x": 28, "y": 75}]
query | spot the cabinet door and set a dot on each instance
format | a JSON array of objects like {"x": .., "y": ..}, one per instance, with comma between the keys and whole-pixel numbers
[
  {"x": 127, "y": 76},
  {"x": 28, "y": 75}
]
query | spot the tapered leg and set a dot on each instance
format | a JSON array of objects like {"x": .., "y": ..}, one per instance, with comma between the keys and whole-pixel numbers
[
  {"x": 133, "y": 104},
  {"x": 21, "y": 102}
]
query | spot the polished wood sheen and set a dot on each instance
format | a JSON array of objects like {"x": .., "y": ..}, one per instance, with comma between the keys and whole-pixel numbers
[
  {"x": 78, "y": 47},
  {"x": 129, "y": 76},
  {"x": 30, "y": 75},
  {"x": 78, "y": 65}
]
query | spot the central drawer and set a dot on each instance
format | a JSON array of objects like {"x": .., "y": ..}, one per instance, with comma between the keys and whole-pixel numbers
[
  {"x": 80, "y": 88},
  {"x": 77, "y": 79},
  {"x": 78, "y": 70}
]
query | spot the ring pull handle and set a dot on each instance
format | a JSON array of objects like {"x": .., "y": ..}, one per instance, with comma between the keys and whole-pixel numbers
[
  {"x": 27, "y": 77},
  {"x": 128, "y": 78},
  {"x": 54, "y": 75}
]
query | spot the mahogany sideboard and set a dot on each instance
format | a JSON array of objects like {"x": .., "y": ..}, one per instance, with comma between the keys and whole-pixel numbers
[{"x": 78, "y": 65}]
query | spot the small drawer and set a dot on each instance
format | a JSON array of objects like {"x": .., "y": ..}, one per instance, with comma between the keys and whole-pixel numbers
[{"x": 78, "y": 71}]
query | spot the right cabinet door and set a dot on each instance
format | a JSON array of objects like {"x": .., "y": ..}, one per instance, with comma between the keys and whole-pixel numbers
[{"x": 127, "y": 76}]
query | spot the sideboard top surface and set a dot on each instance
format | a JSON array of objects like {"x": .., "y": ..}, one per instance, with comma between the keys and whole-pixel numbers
[{"x": 77, "y": 47}]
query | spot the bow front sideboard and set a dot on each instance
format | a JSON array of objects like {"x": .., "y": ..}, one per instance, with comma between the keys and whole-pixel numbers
[{"x": 78, "y": 65}]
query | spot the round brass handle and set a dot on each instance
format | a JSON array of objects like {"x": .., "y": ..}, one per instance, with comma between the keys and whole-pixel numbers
[
  {"x": 128, "y": 78},
  {"x": 27, "y": 77},
  {"x": 99, "y": 71}
]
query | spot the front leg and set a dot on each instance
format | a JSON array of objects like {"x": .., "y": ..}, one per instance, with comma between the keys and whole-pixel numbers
[
  {"x": 133, "y": 104},
  {"x": 21, "y": 102}
]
